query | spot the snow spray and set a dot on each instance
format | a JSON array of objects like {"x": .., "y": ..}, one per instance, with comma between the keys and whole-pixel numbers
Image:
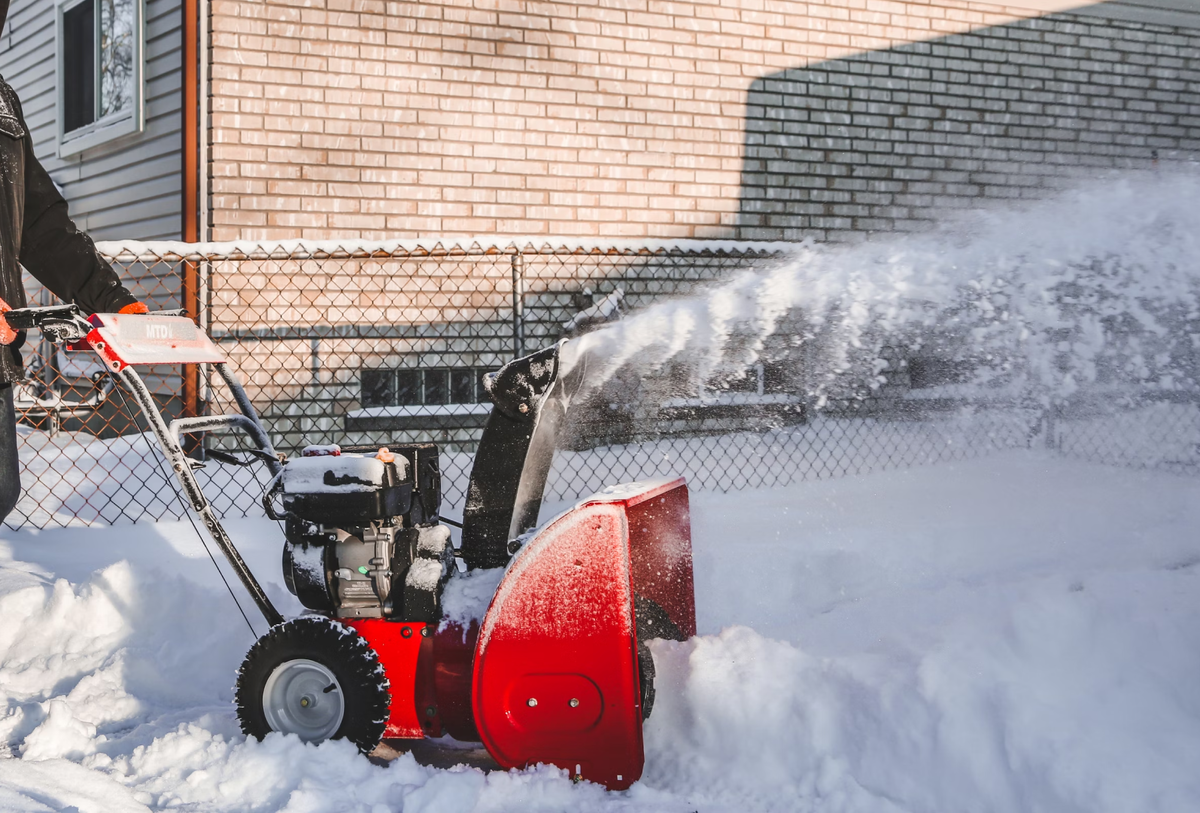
[{"x": 1097, "y": 286}]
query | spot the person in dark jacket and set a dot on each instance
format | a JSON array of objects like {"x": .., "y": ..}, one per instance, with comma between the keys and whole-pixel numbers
[{"x": 36, "y": 232}]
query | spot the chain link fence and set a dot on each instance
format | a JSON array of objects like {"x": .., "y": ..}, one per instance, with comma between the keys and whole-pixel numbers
[{"x": 386, "y": 344}]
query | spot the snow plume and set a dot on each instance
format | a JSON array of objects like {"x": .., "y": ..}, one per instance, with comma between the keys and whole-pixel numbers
[{"x": 1091, "y": 287}]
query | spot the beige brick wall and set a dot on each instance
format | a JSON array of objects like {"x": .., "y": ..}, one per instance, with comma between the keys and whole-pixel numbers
[{"x": 359, "y": 118}]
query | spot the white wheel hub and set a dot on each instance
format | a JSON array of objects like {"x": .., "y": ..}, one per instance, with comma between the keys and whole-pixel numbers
[{"x": 303, "y": 697}]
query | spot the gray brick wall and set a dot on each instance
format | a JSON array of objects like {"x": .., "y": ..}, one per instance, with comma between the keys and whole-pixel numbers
[{"x": 889, "y": 139}]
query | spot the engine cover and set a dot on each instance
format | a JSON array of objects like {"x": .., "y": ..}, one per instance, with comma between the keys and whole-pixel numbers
[{"x": 346, "y": 489}]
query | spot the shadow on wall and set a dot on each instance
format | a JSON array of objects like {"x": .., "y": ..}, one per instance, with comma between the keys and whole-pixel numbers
[{"x": 885, "y": 140}]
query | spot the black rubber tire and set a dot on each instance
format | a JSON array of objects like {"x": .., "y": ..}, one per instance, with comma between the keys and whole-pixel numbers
[
  {"x": 341, "y": 650},
  {"x": 645, "y": 662},
  {"x": 652, "y": 622}
]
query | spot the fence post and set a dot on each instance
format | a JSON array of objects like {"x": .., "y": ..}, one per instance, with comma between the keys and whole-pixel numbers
[
  {"x": 190, "y": 373},
  {"x": 518, "y": 303},
  {"x": 1050, "y": 428},
  {"x": 314, "y": 349}
]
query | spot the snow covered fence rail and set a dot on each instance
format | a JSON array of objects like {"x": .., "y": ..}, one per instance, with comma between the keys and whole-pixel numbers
[{"x": 373, "y": 342}]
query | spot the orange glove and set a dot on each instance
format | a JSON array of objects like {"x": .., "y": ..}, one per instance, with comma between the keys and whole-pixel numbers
[
  {"x": 135, "y": 307},
  {"x": 7, "y": 334}
]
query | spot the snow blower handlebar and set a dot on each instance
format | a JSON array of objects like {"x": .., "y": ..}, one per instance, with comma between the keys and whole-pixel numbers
[
  {"x": 59, "y": 323},
  {"x": 164, "y": 337}
]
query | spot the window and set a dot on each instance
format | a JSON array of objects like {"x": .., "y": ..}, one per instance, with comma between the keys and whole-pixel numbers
[
  {"x": 378, "y": 388},
  {"x": 383, "y": 388},
  {"x": 99, "y": 72}
]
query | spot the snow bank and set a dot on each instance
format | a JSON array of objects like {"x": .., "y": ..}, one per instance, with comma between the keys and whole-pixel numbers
[
  {"x": 86, "y": 666},
  {"x": 59, "y": 786},
  {"x": 1006, "y": 635},
  {"x": 1047, "y": 705}
]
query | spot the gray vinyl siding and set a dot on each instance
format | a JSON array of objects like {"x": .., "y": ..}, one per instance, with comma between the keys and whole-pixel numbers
[{"x": 129, "y": 188}]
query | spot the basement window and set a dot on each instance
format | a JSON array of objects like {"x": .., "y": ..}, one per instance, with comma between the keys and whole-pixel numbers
[
  {"x": 412, "y": 387},
  {"x": 99, "y": 72}
]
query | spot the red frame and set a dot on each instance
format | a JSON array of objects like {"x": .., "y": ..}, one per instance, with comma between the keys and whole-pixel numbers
[{"x": 405, "y": 651}]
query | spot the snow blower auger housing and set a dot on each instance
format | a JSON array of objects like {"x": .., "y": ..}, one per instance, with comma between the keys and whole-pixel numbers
[{"x": 553, "y": 668}]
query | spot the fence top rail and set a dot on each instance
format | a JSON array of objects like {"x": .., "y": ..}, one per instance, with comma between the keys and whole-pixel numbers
[{"x": 132, "y": 251}]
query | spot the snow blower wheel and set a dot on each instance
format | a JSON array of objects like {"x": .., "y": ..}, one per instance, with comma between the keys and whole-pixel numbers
[
  {"x": 645, "y": 664},
  {"x": 652, "y": 622},
  {"x": 314, "y": 678}
]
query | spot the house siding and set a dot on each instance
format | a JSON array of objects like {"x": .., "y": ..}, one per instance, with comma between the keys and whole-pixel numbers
[{"x": 129, "y": 188}]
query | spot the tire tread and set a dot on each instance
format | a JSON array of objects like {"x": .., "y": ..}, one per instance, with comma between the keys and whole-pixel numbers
[{"x": 364, "y": 685}]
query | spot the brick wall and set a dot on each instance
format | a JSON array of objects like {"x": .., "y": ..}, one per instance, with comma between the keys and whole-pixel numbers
[
  {"x": 883, "y": 140},
  {"x": 743, "y": 118}
]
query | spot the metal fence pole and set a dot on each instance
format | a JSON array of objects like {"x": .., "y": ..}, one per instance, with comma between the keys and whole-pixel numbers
[
  {"x": 204, "y": 320},
  {"x": 190, "y": 300},
  {"x": 518, "y": 303},
  {"x": 1050, "y": 428},
  {"x": 314, "y": 346}
]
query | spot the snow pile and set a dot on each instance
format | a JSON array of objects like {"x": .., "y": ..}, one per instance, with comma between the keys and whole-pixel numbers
[
  {"x": 469, "y": 594},
  {"x": 1100, "y": 285},
  {"x": 1013, "y": 634},
  {"x": 1010, "y": 634}
]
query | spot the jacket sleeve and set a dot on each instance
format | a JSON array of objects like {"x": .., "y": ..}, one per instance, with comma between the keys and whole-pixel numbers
[{"x": 60, "y": 256}]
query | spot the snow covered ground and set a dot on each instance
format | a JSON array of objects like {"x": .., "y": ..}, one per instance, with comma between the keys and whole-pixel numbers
[{"x": 1014, "y": 633}]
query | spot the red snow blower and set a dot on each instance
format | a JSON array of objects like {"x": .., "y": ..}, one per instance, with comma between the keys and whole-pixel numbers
[{"x": 550, "y": 666}]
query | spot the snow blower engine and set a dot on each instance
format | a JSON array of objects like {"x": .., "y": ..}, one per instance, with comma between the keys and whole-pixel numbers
[
  {"x": 362, "y": 532},
  {"x": 537, "y": 648}
]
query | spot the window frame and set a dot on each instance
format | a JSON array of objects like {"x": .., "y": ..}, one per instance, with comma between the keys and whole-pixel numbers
[
  {"x": 114, "y": 125},
  {"x": 421, "y": 385}
]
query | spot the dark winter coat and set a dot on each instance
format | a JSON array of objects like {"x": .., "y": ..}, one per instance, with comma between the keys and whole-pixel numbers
[{"x": 35, "y": 230}]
